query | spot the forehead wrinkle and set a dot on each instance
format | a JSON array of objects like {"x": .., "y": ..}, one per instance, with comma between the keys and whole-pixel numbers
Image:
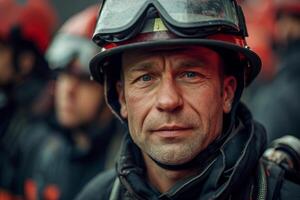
[
  {"x": 189, "y": 57},
  {"x": 184, "y": 63},
  {"x": 141, "y": 66},
  {"x": 133, "y": 61}
]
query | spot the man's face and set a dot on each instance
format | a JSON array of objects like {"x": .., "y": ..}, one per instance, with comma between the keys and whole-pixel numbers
[
  {"x": 174, "y": 101},
  {"x": 6, "y": 69},
  {"x": 77, "y": 100}
]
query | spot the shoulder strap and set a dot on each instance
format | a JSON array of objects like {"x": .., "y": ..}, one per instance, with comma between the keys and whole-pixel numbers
[
  {"x": 274, "y": 174},
  {"x": 114, "y": 195}
]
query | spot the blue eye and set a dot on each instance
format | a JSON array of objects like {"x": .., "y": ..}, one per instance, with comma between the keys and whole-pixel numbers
[
  {"x": 190, "y": 74},
  {"x": 146, "y": 77}
]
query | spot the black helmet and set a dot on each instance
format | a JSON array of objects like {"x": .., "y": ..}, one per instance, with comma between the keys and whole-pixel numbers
[{"x": 140, "y": 24}]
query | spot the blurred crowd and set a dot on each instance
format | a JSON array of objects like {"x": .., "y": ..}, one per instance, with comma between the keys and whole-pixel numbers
[
  {"x": 274, "y": 33},
  {"x": 56, "y": 132}
]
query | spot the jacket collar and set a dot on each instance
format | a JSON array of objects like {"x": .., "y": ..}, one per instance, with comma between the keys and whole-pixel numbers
[{"x": 235, "y": 160}]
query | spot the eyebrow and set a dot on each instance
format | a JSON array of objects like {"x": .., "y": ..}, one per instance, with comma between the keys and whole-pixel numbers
[
  {"x": 141, "y": 66},
  {"x": 146, "y": 65}
]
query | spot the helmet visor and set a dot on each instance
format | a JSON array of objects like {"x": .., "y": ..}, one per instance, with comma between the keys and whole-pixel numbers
[
  {"x": 65, "y": 48},
  {"x": 117, "y": 16},
  {"x": 189, "y": 13}
]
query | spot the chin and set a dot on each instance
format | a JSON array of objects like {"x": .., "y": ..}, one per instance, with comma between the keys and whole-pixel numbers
[
  {"x": 173, "y": 156},
  {"x": 67, "y": 123}
]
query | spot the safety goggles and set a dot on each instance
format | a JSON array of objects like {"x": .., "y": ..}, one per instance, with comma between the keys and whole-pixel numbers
[
  {"x": 66, "y": 48},
  {"x": 121, "y": 20}
]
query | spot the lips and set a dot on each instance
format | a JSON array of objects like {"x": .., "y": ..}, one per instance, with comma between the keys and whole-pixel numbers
[{"x": 172, "y": 130}]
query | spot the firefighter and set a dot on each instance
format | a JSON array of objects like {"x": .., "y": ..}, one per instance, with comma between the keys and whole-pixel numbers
[
  {"x": 174, "y": 72},
  {"x": 25, "y": 33},
  {"x": 283, "y": 90},
  {"x": 83, "y": 136}
]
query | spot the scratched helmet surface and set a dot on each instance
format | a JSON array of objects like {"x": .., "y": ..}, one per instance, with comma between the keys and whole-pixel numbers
[{"x": 141, "y": 24}]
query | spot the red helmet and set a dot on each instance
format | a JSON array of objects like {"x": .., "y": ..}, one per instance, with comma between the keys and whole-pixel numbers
[
  {"x": 82, "y": 24},
  {"x": 140, "y": 24},
  {"x": 73, "y": 41},
  {"x": 260, "y": 14},
  {"x": 287, "y": 6},
  {"x": 35, "y": 19}
]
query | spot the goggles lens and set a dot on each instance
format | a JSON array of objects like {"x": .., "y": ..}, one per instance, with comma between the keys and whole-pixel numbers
[
  {"x": 200, "y": 11},
  {"x": 117, "y": 16},
  {"x": 65, "y": 48}
]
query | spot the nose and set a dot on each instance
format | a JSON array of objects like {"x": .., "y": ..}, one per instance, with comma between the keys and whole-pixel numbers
[
  {"x": 169, "y": 98},
  {"x": 71, "y": 87}
]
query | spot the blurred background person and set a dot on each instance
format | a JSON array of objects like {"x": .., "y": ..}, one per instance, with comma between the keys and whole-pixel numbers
[
  {"x": 277, "y": 104},
  {"x": 67, "y": 8},
  {"x": 260, "y": 25},
  {"x": 82, "y": 137},
  {"x": 25, "y": 32}
]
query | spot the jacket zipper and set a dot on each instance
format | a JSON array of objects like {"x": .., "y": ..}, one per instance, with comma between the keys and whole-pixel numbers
[{"x": 262, "y": 183}]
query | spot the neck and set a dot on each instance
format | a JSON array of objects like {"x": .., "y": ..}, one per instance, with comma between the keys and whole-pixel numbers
[{"x": 163, "y": 179}]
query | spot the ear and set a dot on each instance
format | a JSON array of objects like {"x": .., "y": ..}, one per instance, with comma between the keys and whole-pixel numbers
[
  {"x": 122, "y": 100},
  {"x": 229, "y": 88}
]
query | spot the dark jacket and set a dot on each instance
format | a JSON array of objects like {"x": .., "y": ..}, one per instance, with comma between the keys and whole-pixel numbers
[
  {"x": 59, "y": 169},
  {"x": 232, "y": 172},
  {"x": 16, "y": 113},
  {"x": 6, "y": 110},
  {"x": 276, "y": 105},
  {"x": 6, "y": 169}
]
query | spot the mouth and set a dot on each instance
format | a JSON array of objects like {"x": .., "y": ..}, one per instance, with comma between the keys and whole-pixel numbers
[
  {"x": 67, "y": 109},
  {"x": 171, "y": 131}
]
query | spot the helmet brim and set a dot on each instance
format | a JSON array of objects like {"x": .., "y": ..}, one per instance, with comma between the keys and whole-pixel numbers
[{"x": 253, "y": 68}]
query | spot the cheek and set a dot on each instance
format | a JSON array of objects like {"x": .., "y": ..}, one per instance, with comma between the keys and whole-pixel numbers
[
  {"x": 88, "y": 100},
  {"x": 60, "y": 94},
  {"x": 6, "y": 68},
  {"x": 206, "y": 101},
  {"x": 6, "y": 73},
  {"x": 138, "y": 108},
  {"x": 206, "y": 96},
  {"x": 214, "y": 110}
]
